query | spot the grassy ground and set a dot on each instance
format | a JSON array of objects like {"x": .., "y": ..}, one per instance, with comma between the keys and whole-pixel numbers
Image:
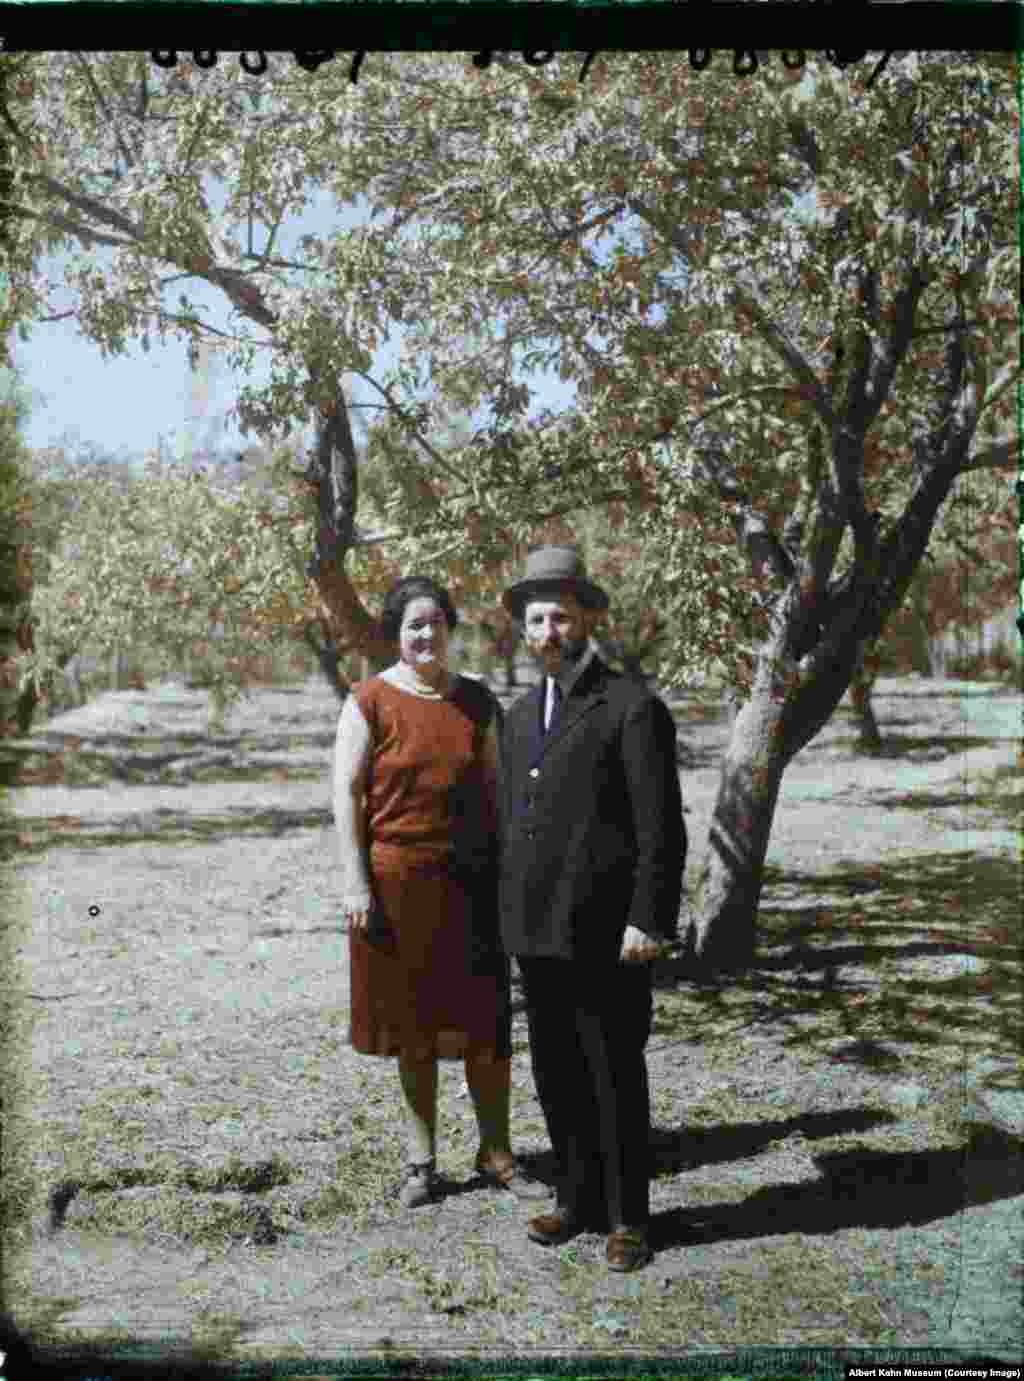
[{"x": 210, "y": 1161}]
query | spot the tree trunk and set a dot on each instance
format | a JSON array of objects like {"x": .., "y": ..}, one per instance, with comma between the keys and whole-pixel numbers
[
  {"x": 870, "y": 740},
  {"x": 333, "y": 476},
  {"x": 216, "y": 708},
  {"x": 862, "y": 684},
  {"x": 329, "y": 658},
  {"x": 17, "y": 709},
  {"x": 731, "y": 704},
  {"x": 331, "y": 665},
  {"x": 920, "y": 655},
  {"x": 74, "y": 675},
  {"x": 724, "y": 930},
  {"x": 774, "y": 724},
  {"x": 116, "y": 675},
  {"x": 823, "y": 634}
]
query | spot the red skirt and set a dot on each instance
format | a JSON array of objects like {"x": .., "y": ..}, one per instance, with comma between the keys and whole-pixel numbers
[{"x": 420, "y": 995}]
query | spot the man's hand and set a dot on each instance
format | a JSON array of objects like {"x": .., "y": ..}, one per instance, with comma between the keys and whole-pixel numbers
[{"x": 638, "y": 948}]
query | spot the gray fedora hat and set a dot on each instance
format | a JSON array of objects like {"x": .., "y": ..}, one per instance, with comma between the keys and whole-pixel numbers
[{"x": 548, "y": 568}]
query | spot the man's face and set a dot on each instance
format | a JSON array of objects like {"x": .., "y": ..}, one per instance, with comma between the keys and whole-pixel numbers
[{"x": 556, "y": 629}]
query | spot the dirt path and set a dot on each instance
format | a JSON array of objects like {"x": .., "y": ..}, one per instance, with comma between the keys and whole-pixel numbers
[{"x": 837, "y": 1136}]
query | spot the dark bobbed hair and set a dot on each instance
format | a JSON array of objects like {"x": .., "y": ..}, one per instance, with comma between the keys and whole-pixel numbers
[{"x": 402, "y": 593}]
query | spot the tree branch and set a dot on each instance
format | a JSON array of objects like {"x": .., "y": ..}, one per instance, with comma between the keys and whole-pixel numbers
[
  {"x": 182, "y": 320},
  {"x": 98, "y": 97},
  {"x": 575, "y": 505},
  {"x": 922, "y": 331},
  {"x": 1003, "y": 454},
  {"x": 857, "y": 609},
  {"x": 86, "y": 205},
  {"x": 752, "y": 530},
  {"x": 333, "y": 472},
  {"x": 1004, "y": 379},
  {"x": 968, "y": 552},
  {"x": 860, "y": 374},
  {"x": 728, "y": 401},
  {"x": 193, "y": 142},
  {"x": 372, "y": 539},
  {"x": 959, "y": 406},
  {"x": 174, "y": 278},
  {"x": 824, "y": 523},
  {"x": 762, "y": 546},
  {"x": 271, "y": 237},
  {"x": 890, "y": 354},
  {"x": 573, "y": 233},
  {"x": 665, "y": 226},
  {"x": 805, "y": 144},
  {"x": 904, "y": 546},
  {"x": 264, "y": 262},
  {"x": 71, "y": 227},
  {"x": 402, "y": 415},
  {"x": 776, "y": 341},
  {"x": 247, "y": 300}
]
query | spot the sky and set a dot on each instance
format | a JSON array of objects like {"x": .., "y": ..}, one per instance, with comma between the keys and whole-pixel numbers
[{"x": 126, "y": 405}]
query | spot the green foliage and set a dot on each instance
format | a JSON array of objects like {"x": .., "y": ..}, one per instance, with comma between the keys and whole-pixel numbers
[
  {"x": 794, "y": 298},
  {"x": 14, "y": 409},
  {"x": 15, "y": 558},
  {"x": 163, "y": 560}
]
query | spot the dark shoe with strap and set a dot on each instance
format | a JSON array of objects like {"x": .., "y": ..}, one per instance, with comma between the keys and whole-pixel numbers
[
  {"x": 509, "y": 1174},
  {"x": 551, "y": 1229},
  {"x": 627, "y": 1249}
]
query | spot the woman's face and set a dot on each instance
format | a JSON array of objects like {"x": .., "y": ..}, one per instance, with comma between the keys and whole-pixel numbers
[{"x": 423, "y": 636}]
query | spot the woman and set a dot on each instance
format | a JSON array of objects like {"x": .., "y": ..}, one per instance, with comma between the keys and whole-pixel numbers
[{"x": 415, "y": 807}]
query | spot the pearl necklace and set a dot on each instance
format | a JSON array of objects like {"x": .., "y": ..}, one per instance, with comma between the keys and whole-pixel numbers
[{"x": 406, "y": 675}]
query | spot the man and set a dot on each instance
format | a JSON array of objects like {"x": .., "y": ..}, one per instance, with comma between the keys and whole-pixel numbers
[{"x": 593, "y": 849}]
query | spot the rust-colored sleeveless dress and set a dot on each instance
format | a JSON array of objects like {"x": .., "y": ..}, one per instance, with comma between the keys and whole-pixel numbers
[{"x": 425, "y": 775}]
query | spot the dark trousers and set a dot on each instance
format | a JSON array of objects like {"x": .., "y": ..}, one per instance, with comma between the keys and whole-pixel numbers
[{"x": 588, "y": 1028}]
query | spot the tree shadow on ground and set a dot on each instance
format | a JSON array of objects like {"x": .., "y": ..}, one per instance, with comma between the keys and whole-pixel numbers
[
  {"x": 858, "y": 1188},
  {"x": 675, "y": 1149},
  {"x": 903, "y": 745},
  {"x": 1009, "y": 805},
  {"x": 861, "y": 1189},
  {"x": 175, "y": 760},
  {"x": 846, "y": 955},
  {"x": 164, "y": 826}
]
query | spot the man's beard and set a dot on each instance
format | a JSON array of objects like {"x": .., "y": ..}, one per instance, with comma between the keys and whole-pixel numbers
[{"x": 571, "y": 653}]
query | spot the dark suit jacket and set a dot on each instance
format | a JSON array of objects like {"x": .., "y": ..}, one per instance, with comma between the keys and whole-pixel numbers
[
  {"x": 474, "y": 861},
  {"x": 592, "y": 832}
]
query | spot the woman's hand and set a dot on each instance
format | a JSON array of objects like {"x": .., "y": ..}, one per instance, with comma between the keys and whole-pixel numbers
[{"x": 357, "y": 919}]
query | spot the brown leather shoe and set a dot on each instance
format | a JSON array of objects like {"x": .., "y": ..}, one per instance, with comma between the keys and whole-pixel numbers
[
  {"x": 508, "y": 1174},
  {"x": 549, "y": 1229},
  {"x": 627, "y": 1249}
]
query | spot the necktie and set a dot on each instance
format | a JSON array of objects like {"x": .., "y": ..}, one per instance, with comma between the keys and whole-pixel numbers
[{"x": 556, "y": 704}]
